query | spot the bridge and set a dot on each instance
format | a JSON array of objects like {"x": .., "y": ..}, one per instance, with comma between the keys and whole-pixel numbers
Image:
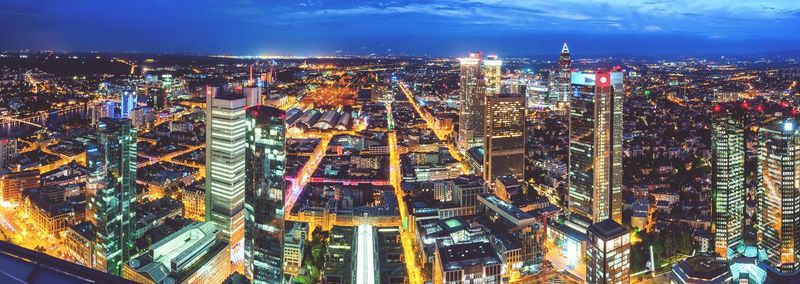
[
  {"x": 39, "y": 116},
  {"x": 11, "y": 119}
]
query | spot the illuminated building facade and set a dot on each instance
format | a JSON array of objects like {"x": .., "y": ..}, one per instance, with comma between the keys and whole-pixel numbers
[
  {"x": 779, "y": 193},
  {"x": 522, "y": 234},
  {"x": 470, "y": 119},
  {"x": 13, "y": 184},
  {"x": 225, "y": 169},
  {"x": 8, "y": 151},
  {"x": 464, "y": 191},
  {"x": 607, "y": 253},
  {"x": 111, "y": 188},
  {"x": 253, "y": 95},
  {"x": 80, "y": 246},
  {"x": 492, "y": 72},
  {"x": 467, "y": 263},
  {"x": 595, "y": 146},
  {"x": 193, "y": 254},
  {"x": 504, "y": 140},
  {"x": 728, "y": 147},
  {"x": 52, "y": 213},
  {"x": 194, "y": 202},
  {"x": 563, "y": 88},
  {"x": 293, "y": 247},
  {"x": 127, "y": 104},
  {"x": 266, "y": 162}
]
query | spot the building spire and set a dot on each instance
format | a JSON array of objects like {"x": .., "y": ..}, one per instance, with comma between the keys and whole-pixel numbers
[{"x": 565, "y": 49}]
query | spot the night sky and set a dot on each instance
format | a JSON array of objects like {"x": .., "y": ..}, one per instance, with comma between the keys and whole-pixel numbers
[{"x": 404, "y": 27}]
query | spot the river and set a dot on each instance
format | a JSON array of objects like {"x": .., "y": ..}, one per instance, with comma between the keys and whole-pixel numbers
[{"x": 53, "y": 120}]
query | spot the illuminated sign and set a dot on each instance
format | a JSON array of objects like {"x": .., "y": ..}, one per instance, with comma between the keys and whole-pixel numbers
[
  {"x": 603, "y": 79},
  {"x": 583, "y": 79}
]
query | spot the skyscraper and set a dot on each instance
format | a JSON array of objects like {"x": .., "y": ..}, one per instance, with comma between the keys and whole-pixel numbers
[
  {"x": 470, "y": 119},
  {"x": 492, "y": 72},
  {"x": 225, "y": 164},
  {"x": 779, "y": 193},
  {"x": 563, "y": 88},
  {"x": 8, "y": 151},
  {"x": 128, "y": 102},
  {"x": 253, "y": 95},
  {"x": 264, "y": 193},
  {"x": 728, "y": 147},
  {"x": 111, "y": 188},
  {"x": 608, "y": 253},
  {"x": 595, "y": 146},
  {"x": 504, "y": 140}
]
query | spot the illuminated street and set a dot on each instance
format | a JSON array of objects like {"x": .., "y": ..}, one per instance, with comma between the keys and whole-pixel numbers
[{"x": 440, "y": 133}]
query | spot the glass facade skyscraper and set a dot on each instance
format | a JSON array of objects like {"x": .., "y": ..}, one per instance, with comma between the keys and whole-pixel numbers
[
  {"x": 225, "y": 165},
  {"x": 728, "y": 145},
  {"x": 563, "y": 86},
  {"x": 595, "y": 146},
  {"x": 471, "y": 117},
  {"x": 264, "y": 194},
  {"x": 128, "y": 101},
  {"x": 504, "y": 142},
  {"x": 492, "y": 72},
  {"x": 779, "y": 194},
  {"x": 111, "y": 188}
]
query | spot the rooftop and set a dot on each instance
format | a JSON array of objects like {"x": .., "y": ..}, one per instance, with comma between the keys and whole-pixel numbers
[
  {"x": 460, "y": 256},
  {"x": 608, "y": 229},
  {"x": 513, "y": 211},
  {"x": 702, "y": 268}
]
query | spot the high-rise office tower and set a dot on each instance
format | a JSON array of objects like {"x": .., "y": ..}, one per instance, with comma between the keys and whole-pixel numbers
[
  {"x": 492, "y": 73},
  {"x": 111, "y": 188},
  {"x": 8, "y": 151},
  {"x": 595, "y": 146},
  {"x": 608, "y": 253},
  {"x": 779, "y": 194},
  {"x": 225, "y": 164},
  {"x": 504, "y": 140},
  {"x": 128, "y": 102},
  {"x": 253, "y": 95},
  {"x": 470, "y": 119},
  {"x": 563, "y": 80},
  {"x": 728, "y": 147},
  {"x": 266, "y": 162}
]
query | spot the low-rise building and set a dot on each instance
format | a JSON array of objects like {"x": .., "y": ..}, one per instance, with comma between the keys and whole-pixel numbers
[
  {"x": 80, "y": 246},
  {"x": 194, "y": 201},
  {"x": 13, "y": 184},
  {"x": 50, "y": 212},
  {"x": 194, "y": 254},
  {"x": 293, "y": 246},
  {"x": 467, "y": 263},
  {"x": 701, "y": 269},
  {"x": 153, "y": 213}
]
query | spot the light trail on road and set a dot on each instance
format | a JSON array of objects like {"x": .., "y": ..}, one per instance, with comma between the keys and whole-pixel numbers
[{"x": 440, "y": 133}]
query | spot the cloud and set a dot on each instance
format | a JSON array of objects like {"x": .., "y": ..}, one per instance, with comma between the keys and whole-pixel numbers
[
  {"x": 557, "y": 15},
  {"x": 14, "y": 13},
  {"x": 653, "y": 28}
]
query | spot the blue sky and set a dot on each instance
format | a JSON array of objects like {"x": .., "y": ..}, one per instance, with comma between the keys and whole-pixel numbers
[{"x": 448, "y": 27}]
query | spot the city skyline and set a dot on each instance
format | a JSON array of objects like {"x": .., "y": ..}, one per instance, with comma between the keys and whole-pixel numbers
[
  {"x": 409, "y": 27},
  {"x": 400, "y": 141}
]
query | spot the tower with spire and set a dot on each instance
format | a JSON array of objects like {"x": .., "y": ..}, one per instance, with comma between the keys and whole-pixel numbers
[{"x": 563, "y": 79}]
